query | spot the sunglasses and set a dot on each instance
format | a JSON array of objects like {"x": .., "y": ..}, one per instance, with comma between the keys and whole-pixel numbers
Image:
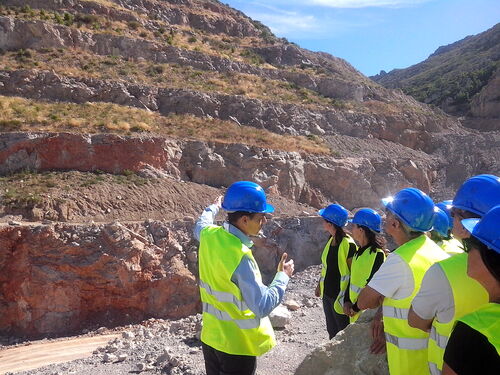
[{"x": 462, "y": 214}]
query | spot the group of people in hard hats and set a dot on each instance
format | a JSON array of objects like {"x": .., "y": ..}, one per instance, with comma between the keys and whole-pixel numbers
[{"x": 436, "y": 296}]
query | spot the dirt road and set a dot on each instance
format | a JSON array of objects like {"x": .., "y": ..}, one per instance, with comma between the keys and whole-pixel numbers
[{"x": 41, "y": 353}]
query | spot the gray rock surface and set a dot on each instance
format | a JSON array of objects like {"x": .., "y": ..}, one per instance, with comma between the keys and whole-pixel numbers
[{"x": 347, "y": 354}]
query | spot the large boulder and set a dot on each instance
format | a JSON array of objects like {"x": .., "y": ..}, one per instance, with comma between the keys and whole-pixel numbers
[{"x": 348, "y": 353}]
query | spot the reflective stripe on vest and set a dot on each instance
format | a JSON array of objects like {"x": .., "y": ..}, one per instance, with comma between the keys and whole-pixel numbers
[
  {"x": 345, "y": 278},
  {"x": 224, "y": 296},
  {"x": 408, "y": 355},
  {"x": 229, "y": 325},
  {"x": 440, "y": 340},
  {"x": 361, "y": 269},
  {"x": 434, "y": 369},
  {"x": 468, "y": 295},
  {"x": 355, "y": 289},
  {"x": 324, "y": 265},
  {"x": 395, "y": 312},
  {"x": 222, "y": 315},
  {"x": 406, "y": 343},
  {"x": 345, "y": 273}
]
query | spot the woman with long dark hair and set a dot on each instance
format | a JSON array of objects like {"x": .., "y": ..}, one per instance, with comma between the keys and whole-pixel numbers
[
  {"x": 366, "y": 229},
  {"x": 335, "y": 271}
]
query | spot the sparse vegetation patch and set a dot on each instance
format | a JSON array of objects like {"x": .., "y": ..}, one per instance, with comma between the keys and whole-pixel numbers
[{"x": 31, "y": 115}]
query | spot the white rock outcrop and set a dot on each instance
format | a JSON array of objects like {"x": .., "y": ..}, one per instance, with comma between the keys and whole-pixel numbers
[{"x": 280, "y": 317}]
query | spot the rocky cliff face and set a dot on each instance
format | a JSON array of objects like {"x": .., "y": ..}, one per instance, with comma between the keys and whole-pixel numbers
[
  {"x": 303, "y": 178},
  {"x": 64, "y": 278},
  {"x": 57, "y": 279}
]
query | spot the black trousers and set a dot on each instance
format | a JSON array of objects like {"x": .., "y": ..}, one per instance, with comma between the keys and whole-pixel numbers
[
  {"x": 220, "y": 363},
  {"x": 334, "y": 322}
]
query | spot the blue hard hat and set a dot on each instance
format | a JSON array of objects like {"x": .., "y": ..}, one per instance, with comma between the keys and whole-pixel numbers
[
  {"x": 446, "y": 206},
  {"x": 478, "y": 194},
  {"x": 486, "y": 229},
  {"x": 369, "y": 218},
  {"x": 441, "y": 223},
  {"x": 246, "y": 196},
  {"x": 334, "y": 213},
  {"x": 413, "y": 207}
]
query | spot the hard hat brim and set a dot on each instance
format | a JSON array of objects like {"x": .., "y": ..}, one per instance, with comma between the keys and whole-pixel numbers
[
  {"x": 267, "y": 209},
  {"x": 470, "y": 224}
]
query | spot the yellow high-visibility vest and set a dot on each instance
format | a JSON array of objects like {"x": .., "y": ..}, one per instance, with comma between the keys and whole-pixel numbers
[
  {"x": 486, "y": 320},
  {"x": 452, "y": 246},
  {"x": 343, "y": 269},
  {"x": 407, "y": 346},
  {"x": 228, "y": 324},
  {"x": 468, "y": 295},
  {"x": 345, "y": 272},
  {"x": 324, "y": 265},
  {"x": 361, "y": 269}
]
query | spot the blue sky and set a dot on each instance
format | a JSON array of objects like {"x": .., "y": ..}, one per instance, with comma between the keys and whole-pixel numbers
[{"x": 373, "y": 34}]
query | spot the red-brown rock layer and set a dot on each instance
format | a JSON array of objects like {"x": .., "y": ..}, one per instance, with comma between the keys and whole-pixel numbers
[{"x": 56, "y": 280}]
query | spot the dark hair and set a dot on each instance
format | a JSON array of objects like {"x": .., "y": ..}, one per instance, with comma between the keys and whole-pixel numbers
[
  {"x": 375, "y": 240},
  {"x": 464, "y": 213},
  {"x": 233, "y": 217},
  {"x": 435, "y": 236},
  {"x": 339, "y": 233},
  {"x": 491, "y": 258}
]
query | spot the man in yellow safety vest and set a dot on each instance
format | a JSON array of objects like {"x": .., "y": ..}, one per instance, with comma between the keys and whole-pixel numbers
[
  {"x": 235, "y": 302},
  {"x": 447, "y": 292},
  {"x": 409, "y": 215}
]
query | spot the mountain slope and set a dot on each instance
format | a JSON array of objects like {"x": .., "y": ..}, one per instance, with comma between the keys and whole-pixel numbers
[
  {"x": 204, "y": 68},
  {"x": 461, "y": 78}
]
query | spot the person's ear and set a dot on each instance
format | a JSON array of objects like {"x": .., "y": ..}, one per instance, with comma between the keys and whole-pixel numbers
[
  {"x": 396, "y": 224},
  {"x": 244, "y": 220}
]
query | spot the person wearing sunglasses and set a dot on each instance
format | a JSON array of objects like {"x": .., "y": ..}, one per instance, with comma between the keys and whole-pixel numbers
[
  {"x": 447, "y": 293},
  {"x": 474, "y": 344}
]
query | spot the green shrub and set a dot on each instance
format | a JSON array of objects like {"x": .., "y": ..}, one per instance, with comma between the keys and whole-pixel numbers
[
  {"x": 133, "y": 25},
  {"x": 68, "y": 19},
  {"x": 87, "y": 19},
  {"x": 58, "y": 18}
]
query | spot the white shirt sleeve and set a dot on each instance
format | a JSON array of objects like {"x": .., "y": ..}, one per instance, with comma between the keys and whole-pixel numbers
[
  {"x": 435, "y": 297},
  {"x": 394, "y": 278}
]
